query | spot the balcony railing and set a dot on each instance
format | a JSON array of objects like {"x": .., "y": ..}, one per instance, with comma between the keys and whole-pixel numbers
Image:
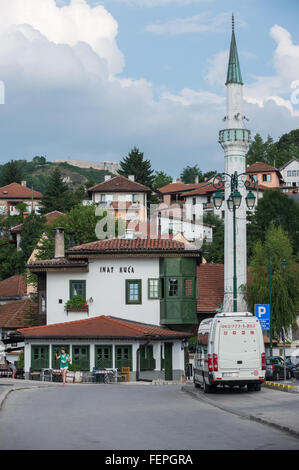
[{"x": 234, "y": 135}]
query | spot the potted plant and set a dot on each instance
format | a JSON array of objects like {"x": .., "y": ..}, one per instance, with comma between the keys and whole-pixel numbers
[
  {"x": 76, "y": 304},
  {"x": 71, "y": 373}
]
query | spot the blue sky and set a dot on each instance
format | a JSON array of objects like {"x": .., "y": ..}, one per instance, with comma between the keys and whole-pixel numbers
[{"x": 91, "y": 79}]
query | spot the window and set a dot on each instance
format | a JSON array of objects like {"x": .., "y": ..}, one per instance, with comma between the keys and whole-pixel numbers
[
  {"x": 194, "y": 201},
  {"x": 267, "y": 178},
  {"x": 289, "y": 173},
  {"x": 103, "y": 357},
  {"x": 133, "y": 291},
  {"x": 123, "y": 357},
  {"x": 294, "y": 173},
  {"x": 77, "y": 288},
  {"x": 80, "y": 357},
  {"x": 173, "y": 287},
  {"x": 39, "y": 357},
  {"x": 188, "y": 287},
  {"x": 153, "y": 288},
  {"x": 135, "y": 198}
]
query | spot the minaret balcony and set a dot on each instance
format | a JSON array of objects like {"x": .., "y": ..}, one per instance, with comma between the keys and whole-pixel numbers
[{"x": 234, "y": 135}]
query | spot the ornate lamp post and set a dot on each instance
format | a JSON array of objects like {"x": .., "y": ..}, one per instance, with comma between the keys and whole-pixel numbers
[{"x": 233, "y": 203}]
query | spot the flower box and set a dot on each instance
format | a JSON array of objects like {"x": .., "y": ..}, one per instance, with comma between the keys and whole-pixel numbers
[{"x": 84, "y": 308}]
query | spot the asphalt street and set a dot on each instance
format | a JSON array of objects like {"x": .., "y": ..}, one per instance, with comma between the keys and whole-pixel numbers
[{"x": 97, "y": 417}]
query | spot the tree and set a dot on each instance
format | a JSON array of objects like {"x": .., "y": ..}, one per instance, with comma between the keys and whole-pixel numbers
[
  {"x": 274, "y": 208},
  {"x": 189, "y": 173},
  {"x": 135, "y": 164},
  {"x": 260, "y": 151},
  {"x": 58, "y": 195},
  {"x": 276, "y": 248},
  {"x": 11, "y": 172},
  {"x": 31, "y": 232},
  {"x": 214, "y": 252},
  {"x": 80, "y": 223},
  {"x": 161, "y": 179},
  {"x": 11, "y": 262}
]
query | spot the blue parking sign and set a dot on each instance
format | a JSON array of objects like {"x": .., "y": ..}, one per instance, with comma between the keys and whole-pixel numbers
[{"x": 262, "y": 312}]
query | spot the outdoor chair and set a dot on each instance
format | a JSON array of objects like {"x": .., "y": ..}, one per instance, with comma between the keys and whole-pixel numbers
[{"x": 125, "y": 374}]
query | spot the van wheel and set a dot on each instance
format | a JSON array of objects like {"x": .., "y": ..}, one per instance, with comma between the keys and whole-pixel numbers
[
  {"x": 196, "y": 384},
  {"x": 257, "y": 387},
  {"x": 250, "y": 387},
  {"x": 206, "y": 387}
]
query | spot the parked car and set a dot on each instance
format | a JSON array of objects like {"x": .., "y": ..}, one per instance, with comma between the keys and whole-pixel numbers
[
  {"x": 275, "y": 366},
  {"x": 292, "y": 364},
  {"x": 296, "y": 371}
]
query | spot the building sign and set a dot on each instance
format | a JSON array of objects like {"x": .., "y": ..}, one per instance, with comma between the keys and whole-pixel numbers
[{"x": 120, "y": 269}]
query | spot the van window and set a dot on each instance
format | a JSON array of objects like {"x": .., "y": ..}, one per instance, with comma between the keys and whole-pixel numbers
[{"x": 202, "y": 343}]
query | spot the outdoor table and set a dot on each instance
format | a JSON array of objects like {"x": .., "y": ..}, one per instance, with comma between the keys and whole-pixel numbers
[{"x": 106, "y": 374}]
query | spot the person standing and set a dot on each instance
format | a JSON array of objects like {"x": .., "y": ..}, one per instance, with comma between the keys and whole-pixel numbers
[{"x": 64, "y": 363}]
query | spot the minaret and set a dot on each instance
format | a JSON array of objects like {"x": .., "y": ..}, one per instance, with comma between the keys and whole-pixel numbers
[{"x": 234, "y": 141}]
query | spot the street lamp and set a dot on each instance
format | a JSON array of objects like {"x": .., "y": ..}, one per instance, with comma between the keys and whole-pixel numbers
[{"x": 233, "y": 203}]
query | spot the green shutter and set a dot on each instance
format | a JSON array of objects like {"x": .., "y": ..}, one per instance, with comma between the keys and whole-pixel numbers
[
  {"x": 80, "y": 357},
  {"x": 123, "y": 356},
  {"x": 79, "y": 287},
  {"x": 39, "y": 357},
  {"x": 103, "y": 356}
]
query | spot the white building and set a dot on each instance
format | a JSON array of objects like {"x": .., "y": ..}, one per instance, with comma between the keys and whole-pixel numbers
[
  {"x": 290, "y": 174},
  {"x": 148, "y": 286}
]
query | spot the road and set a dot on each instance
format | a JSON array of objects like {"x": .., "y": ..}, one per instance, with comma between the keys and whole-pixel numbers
[{"x": 110, "y": 417}]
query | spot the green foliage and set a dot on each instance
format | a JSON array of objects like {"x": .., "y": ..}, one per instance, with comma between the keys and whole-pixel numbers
[
  {"x": 277, "y": 209},
  {"x": 74, "y": 367},
  {"x": 58, "y": 195},
  {"x": 31, "y": 232},
  {"x": 76, "y": 302},
  {"x": 214, "y": 252},
  {"x": 11, "y": 172},
  {"x": 135, "y": 164},
  {"x": 284, "y": 280},
  {"x": 11, "y": 262},
  {"x": 189, "y": 174},
  {"x": 274, "y": 153},
  {"x": 161, "y": 179},
  {"x": 20, "y": 362}
]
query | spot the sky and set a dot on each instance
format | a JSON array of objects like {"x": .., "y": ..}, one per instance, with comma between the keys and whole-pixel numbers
[{"x": 89, "y": 79}]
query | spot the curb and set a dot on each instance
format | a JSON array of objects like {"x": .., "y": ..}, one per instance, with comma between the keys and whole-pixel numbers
[
  {"x": 282, "y": 387},
  {"x": 250, "y": 417}
]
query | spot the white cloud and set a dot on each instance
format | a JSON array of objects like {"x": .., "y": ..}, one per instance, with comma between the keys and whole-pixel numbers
[
  {"x": 277, "y": 88},
  {"x": 70, "y": 25},
  {"x": 154, "y": 3}
]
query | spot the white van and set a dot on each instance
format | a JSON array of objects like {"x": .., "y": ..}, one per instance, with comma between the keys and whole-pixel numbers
[{"x": 230, "y": 351}]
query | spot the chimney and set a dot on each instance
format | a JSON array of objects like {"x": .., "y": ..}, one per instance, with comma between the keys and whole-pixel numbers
[
  {"x": 59, "y": 242},
  {"x": 24, "y": 183},
  {"x": 107, "y": 177},
  {"x": 196, "y": 180},
  {"x": 131, "y": 177}
]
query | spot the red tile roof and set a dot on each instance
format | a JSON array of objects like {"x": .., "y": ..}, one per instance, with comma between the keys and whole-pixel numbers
[
  {"x": 102, "y": 327},
  {"x": 119, "y": 184},
  {"x": 204, "y": 189},
  {"x": 258, "y": 167},
  {"x": 178, "y": 187},
  {"x": 59, "y": 262},
  {"x": 17, "y": 191},
  {"x": 131, "y": 245},
  {"x": 14, "y": 286},
  {"x": 211, "y": 287},
  {"x": 17, "y": 314}
]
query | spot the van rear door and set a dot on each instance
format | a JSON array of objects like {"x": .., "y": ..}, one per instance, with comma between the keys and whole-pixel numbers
[{"x": 239, "y": 344}]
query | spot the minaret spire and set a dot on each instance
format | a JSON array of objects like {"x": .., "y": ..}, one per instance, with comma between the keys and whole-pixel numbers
[{"x": 234, "y": 70}]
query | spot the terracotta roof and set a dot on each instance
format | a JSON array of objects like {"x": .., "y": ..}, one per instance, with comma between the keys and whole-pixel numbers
[
  {"x": 119, "y": 184},
  {"x": 202, "y": 190},
  {"x": 258, "y": 167},
  {"x": 63, "y": 262},
  {"x": 15, "y": 190},
  {"x": 211, "y": 287},
  {"x": 14, "y": 286},
  {"x": 49, "y": 219},
  {"x": 16, "y": 314},
  {"x": 131, "y": 245},
  {"x": 102, "y": 327},
  {"x": 178, "y": 187}
]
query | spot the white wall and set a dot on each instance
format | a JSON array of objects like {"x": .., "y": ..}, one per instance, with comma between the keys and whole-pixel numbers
[{"x": 108, "y": 291}]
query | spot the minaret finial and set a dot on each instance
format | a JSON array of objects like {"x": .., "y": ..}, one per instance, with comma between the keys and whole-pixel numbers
[{"x": 233, "y": 22}]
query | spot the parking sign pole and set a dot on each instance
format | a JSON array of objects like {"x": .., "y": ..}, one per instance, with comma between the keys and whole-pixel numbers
[{"x": 270, "y": 313}]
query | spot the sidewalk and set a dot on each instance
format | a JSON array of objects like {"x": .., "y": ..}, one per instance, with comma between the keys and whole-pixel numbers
[{"x": 269, "y": 406}]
